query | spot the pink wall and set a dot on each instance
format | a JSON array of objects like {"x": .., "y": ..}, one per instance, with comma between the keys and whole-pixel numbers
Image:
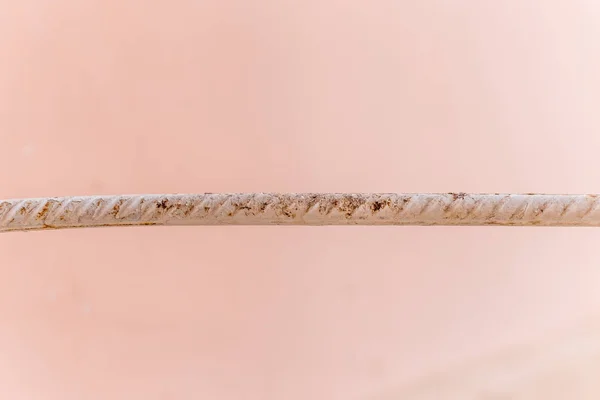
[{"x": 104, "y": 97}]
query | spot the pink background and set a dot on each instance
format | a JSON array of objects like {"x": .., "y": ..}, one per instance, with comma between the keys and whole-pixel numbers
[{"x": 107, "y": 96}]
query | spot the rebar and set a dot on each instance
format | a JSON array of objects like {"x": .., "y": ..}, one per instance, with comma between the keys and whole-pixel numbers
[{"x": 301, "y": 209}]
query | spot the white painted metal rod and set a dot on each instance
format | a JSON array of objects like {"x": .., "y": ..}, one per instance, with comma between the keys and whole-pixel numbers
[{"x": 301, "y": 209}]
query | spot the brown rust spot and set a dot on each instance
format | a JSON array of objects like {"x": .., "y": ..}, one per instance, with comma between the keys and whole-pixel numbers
[
  {"x": 22, "y": 211},
  {"x": 285, "y": 209},
  {"x": 323, "y": 207},
  {"x": 163, "y": 204},
  {"x": 285, "y": 206},
  {"x": 457, "y": 196},
  {"x": 43, "y": 211},
  {"x": 239, "y": 206},
  {"x": 399, "y": 204},
  {"x": 378, "y": 205},
  {"x": 116, "y": 208},
  {"x": 348, "y": 205}
]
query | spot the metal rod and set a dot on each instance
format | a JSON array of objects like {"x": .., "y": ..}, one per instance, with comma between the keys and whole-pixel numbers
[{"x": 301, "y": 209}]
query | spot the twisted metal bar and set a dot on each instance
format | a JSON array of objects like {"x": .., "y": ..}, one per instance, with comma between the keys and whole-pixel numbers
[{"x": 301, "y": 209}]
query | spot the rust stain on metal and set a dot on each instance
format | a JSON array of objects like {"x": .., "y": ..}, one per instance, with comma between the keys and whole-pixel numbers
[
  {"x": 163, "y": 204},
  {"x": 304, "y": 208},
  {"x": 457, "y": 196},
  {"x": 42, "y": 213},
  {"x": 349, "y": 204}
]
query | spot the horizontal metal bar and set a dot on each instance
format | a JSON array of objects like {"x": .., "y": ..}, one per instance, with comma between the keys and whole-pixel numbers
[{"x": 301, "y": 209}]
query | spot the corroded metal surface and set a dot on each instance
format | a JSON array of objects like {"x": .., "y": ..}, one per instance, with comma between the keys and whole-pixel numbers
[{"x": 301, "y": 209}]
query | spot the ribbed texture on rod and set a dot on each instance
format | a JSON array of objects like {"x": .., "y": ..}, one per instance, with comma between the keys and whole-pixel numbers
[{"x": 301, "y": 209}]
